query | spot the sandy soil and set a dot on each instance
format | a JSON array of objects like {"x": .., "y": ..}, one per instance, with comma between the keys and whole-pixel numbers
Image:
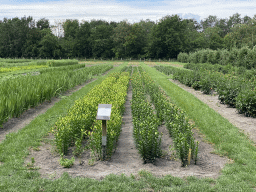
[{"x": 126, "y": 158}]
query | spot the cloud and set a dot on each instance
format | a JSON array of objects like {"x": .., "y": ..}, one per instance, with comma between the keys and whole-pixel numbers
[{"x": 133, "y": 11}]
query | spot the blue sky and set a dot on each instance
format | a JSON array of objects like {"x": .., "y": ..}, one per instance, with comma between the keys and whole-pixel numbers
[{"x": 118, "y": 10}]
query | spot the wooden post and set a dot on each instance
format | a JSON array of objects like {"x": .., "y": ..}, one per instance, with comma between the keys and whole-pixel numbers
[
  {"x": 104, "y": 138},
  {"x": 103, "y": 113}
]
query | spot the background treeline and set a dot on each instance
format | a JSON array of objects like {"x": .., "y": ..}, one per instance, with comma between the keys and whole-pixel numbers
[{"x": 164, "y": 39}]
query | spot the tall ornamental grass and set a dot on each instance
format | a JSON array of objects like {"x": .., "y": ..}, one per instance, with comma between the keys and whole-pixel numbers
[{"x": 23, "y": 92}]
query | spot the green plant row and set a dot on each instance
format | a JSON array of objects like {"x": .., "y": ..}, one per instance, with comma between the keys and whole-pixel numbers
[
  {"x": 244, "y": 57},
  {"x": 175, "y": 120},
  {"x": 80, "y": 122},
  {"x": 64, "y": 62},
  {"x": 225, "y": 69},
  {"x": 235, "y": 91},
  {"x": 68, "y": 67},
  {"x": 3, "y": 60},
  {"x": 18, "y": 68},
  {"x": 18, "y": 94},
  {"x": 145, "y": 123}
]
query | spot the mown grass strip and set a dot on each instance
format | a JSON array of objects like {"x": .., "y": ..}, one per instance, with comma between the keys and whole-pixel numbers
[{"x": 227, "y": 139}]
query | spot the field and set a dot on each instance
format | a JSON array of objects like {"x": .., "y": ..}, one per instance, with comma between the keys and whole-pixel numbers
[{"x": 162, "y": 136}]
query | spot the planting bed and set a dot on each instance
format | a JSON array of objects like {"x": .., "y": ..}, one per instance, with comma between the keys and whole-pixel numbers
[{"x": 126, "y": 158}]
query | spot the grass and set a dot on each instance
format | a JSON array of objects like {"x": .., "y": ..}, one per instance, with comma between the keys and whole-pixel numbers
[
  {"x": 239, "y": 176},
  {"x": 227, "y": 139}
]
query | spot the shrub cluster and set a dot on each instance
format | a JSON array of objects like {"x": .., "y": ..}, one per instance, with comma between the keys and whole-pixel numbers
[
  {"x": 175, "y": 120},
  {"x": 145, "y": 122},
  {"x": 80, "y": 122},
  {"x": 244, "y": 57},
  {"x": 235, "y": 91}
]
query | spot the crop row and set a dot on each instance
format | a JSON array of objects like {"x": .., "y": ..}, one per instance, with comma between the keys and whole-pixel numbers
[
  {"x": 175, "y": 120},
  {"x": 225, "y": 69},
  {"x": 61, "y": 68},
  {"x": 145, "y": 122},
  {"x": 20, "y": 93},
  {"x": 235, "y": 91},
  {"x": 81, "y": 123},
  {"x": 18, "y": 68},
  {"x": 57, "y": 63}
]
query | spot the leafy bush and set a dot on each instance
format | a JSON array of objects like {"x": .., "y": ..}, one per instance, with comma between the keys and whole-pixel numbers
[
  {"x": 182, "y": 57},
  {"x": 246, "y": 102},
  {"x": 146, "y": 135}
]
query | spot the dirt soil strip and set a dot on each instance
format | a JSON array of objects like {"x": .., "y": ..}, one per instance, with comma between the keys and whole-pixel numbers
[
  {"x": 126, "y": 158},
  {"x": 15, "y": 124},
  {"x": 247, "y": 124}
]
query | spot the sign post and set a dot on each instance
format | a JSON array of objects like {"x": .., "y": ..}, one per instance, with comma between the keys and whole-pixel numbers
[{"x": 103, "y": 113}]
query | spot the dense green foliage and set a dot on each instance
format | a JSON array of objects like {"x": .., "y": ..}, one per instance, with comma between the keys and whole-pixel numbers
[
  {"x": 164, "y": 39},
  {"x": 243, "y": 57},
  {"x": 175, "y": 120},
  {"x": 80, "y": 121},
  {"x": 235, "y": 91},
  {"x": 145, "y": 122},
  {"x": 18, "y": 94}
]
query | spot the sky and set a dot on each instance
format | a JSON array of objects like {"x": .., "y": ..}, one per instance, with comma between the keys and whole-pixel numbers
[{"x": 119, "y": 10}]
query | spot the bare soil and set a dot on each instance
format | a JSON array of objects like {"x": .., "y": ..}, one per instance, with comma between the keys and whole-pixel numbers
[{"x": 126, "y": 158}]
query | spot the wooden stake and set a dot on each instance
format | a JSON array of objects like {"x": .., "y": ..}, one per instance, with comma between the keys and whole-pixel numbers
[{"x": 104, "y": 138}]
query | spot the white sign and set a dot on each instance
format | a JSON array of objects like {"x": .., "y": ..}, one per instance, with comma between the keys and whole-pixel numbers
[{"x": 104, "y": 112}]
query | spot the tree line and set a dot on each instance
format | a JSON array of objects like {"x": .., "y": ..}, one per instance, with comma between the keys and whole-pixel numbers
[{"x": 166, "y": 38}]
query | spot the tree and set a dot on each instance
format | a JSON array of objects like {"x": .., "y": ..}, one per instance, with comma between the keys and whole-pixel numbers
[
  {"x": 83, "y": 42},
  {"x": 43, "y": 24},
  {"x": 167, "y": 37},
  {"x": 120, "y": 34},
  {"x": 49, "y": 46},
  {"x": 14, "y": 35},
  {"x": 70, "y": 28},
  {"x": 135, "y": 41},
  {"x": 210, "y": 21},
  {"x": 213, "y": 38},
  {"x": 101, "y": 41}
]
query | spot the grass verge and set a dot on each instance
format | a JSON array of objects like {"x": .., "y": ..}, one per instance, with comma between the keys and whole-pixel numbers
[{"x": 227, "y": 139}]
